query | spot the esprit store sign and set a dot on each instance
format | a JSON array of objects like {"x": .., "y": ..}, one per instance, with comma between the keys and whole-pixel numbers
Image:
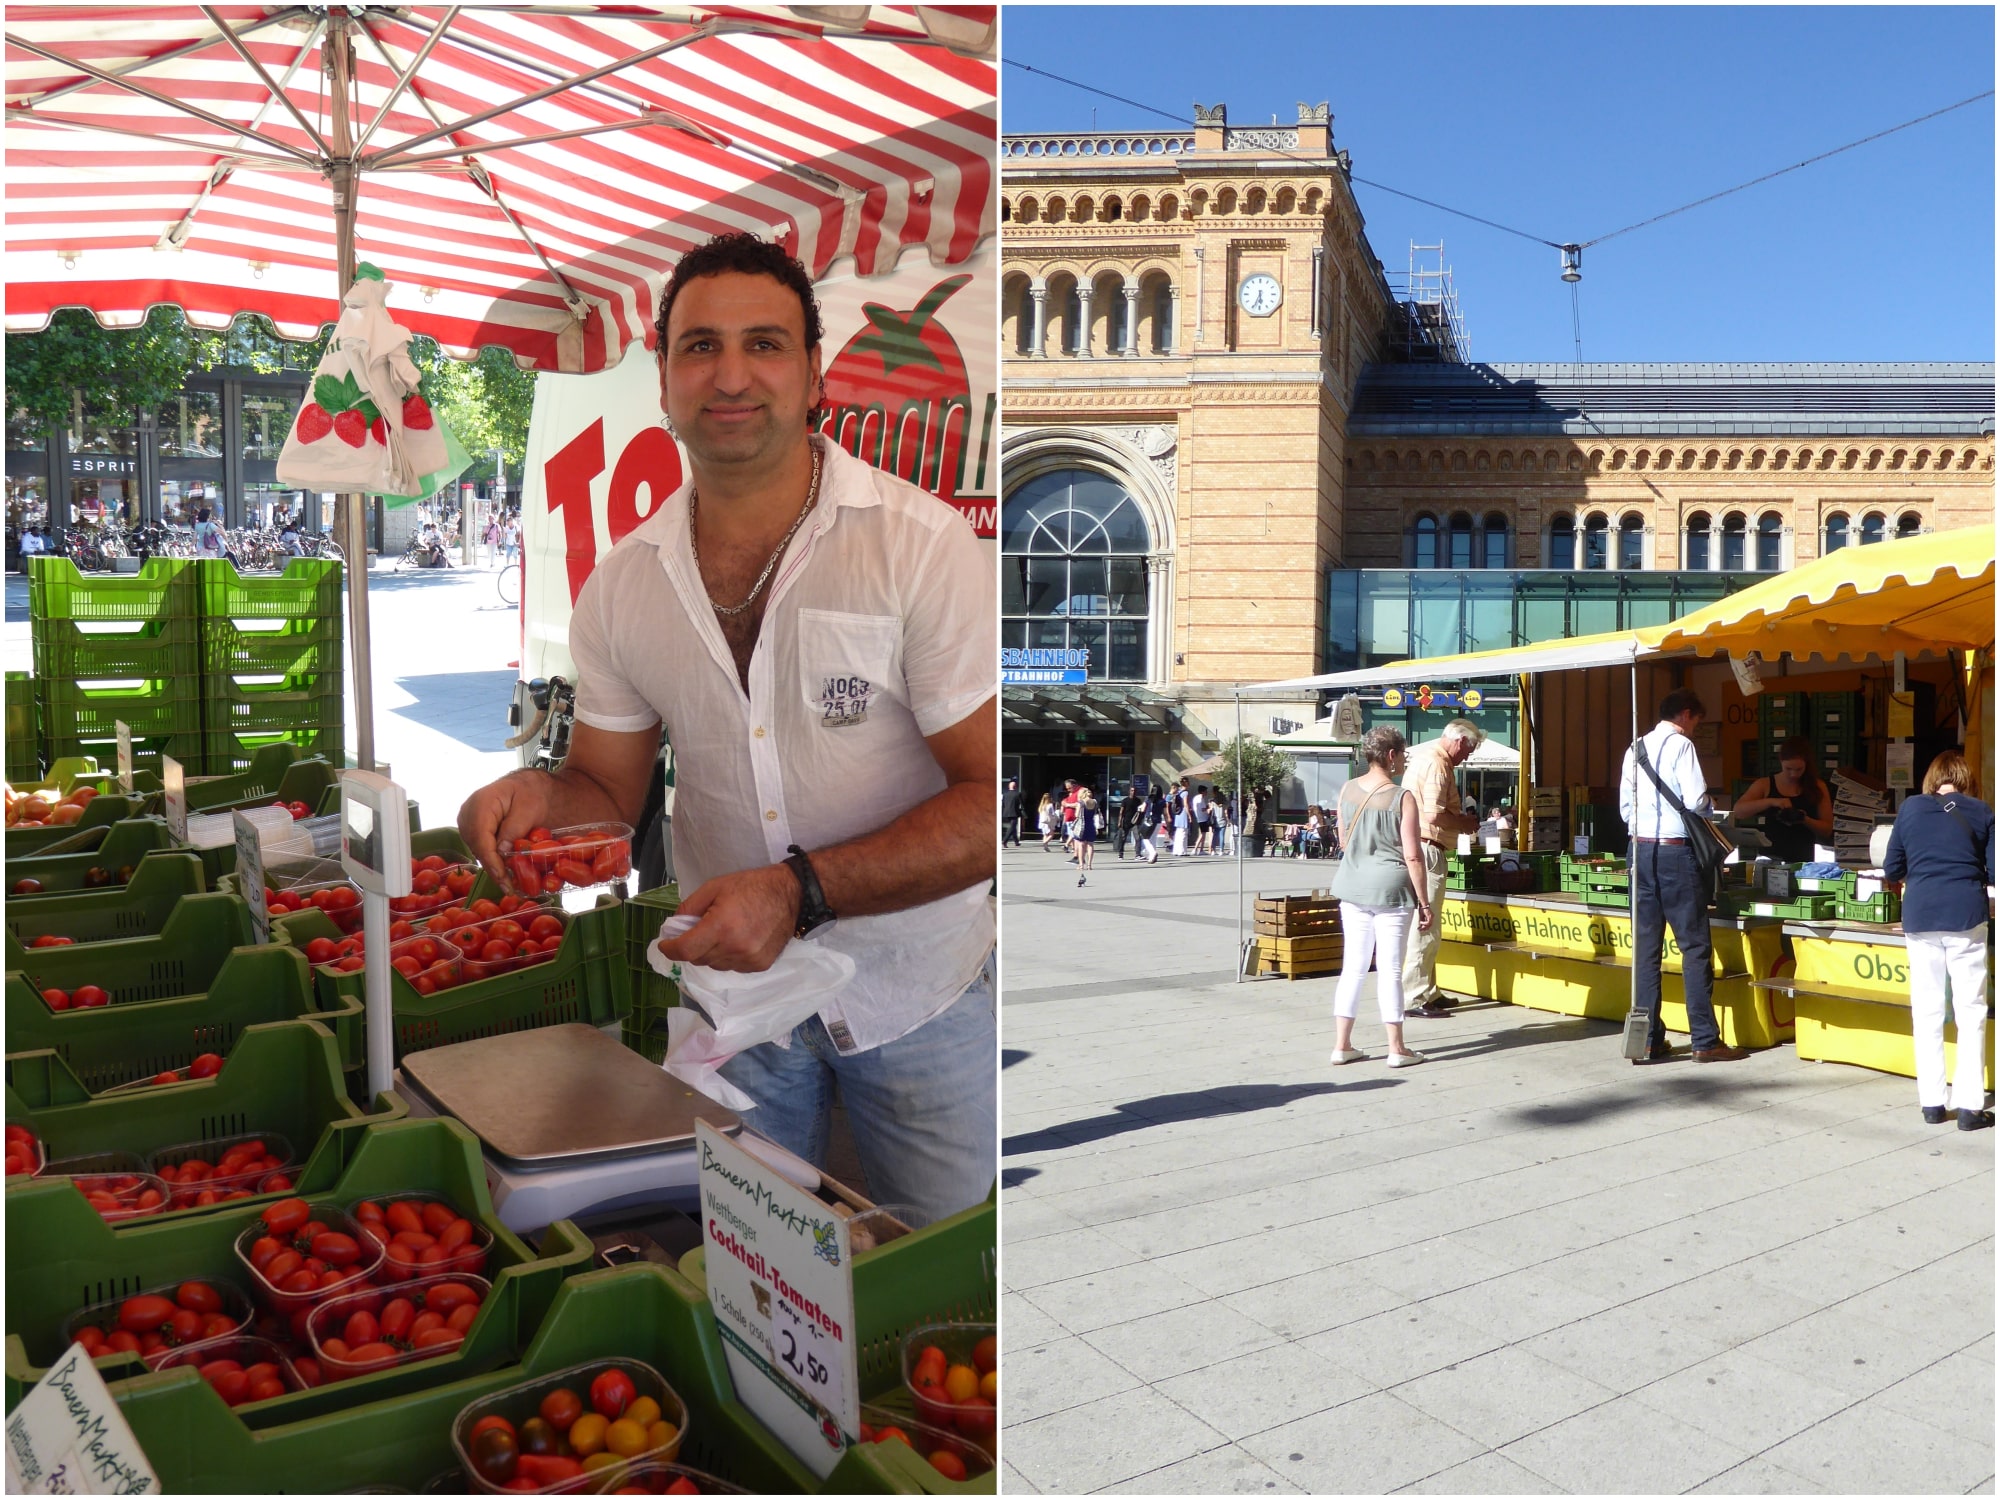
[{"x": 911, "y": 367}]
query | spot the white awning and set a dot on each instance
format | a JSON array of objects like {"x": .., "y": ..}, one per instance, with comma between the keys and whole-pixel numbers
[{"x": 1616, "y": 649}]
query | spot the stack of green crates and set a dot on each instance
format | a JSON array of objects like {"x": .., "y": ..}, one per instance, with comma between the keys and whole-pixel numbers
[
  {"x": 1835, "y": 731},
  {"x": 271, "y": 658},
  {"x": 24, "y": 752},
  {"x": 1779, "y": 717}
]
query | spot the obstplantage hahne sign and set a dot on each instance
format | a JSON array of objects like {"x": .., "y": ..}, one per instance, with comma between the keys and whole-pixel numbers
[{"x": 912, "y": 385}]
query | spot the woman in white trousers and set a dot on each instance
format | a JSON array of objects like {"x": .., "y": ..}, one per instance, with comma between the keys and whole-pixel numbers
[
  {"x": 1942, "y": 850},
  {"x": 1380, "y": 884}
]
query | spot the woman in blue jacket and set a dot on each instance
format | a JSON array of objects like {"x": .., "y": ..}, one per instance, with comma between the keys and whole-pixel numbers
[{"x": 1942, "y": 851}]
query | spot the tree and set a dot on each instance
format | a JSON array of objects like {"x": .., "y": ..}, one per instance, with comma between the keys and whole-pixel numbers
[
  {"x": 486, "y": 401},
  {"x": 117, "y": 370},
  {"x": 1263, "y": 766}
]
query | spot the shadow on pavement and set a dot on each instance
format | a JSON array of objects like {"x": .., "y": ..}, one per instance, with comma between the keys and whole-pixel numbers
[
  {"x": 1011, "y": 1055},
  {"x": 1568, "y": 1029},
  {"x": 1015, "y": 1176},
  {"x": 1602, "y": 1103},
  {"x": 447, "y": 701},
  {"x": 1204, "y": 1104}
]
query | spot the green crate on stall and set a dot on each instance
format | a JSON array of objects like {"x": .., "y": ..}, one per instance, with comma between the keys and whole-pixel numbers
[
  {"x": 425, "y": 842},
  {"x": 123, "y": 1043},
  {"x": 1883, "y": 906},
  {"x": 229, "y": 754},
  {"x": 653, "y": 994},
  {"x": 244, "y": 705},
  {"x": 281, "y": 1078},
  {"x": 101, "y": 811},
  {"x": 180, "y": 959},
  {"x": 1578, "y": 877},
  {"x": 308, "y": 589},
  {"x": 124, "y": 843},
  {"x": 139, "y": 908},
  {"x": 80, "y": 649},
  {"x": 1620, "y": 898},
  {"x": 93, "y": 709},
  {"x": 309, "y": 643},
  {"x": 1807, "y": 906},
  {"x": 23, "y": 750},
  {"x": 147, "y": 753},
  {"x": 58, "y": 1261},
  {"x": 164, "y": 588}
]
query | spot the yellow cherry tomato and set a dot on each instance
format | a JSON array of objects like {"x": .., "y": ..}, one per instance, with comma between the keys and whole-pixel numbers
[
  {"x": 989, "y": 1387},
  {"x": 586, "y": 1434},
  {"x": 626, "y": 1438},
  {"x": 661, "y": 1435},
  {"x": 598, "y": 1461},
  {"x": 645, "y": 1411},
  {"x": 961, "y": 1382}
]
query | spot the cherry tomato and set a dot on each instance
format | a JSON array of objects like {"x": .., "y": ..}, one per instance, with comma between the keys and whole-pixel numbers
[
  {"x": 24, "y": 888},
  {"x": 56, "y": 999},
  {"x": 397, "y": 1317},
  {"x": 87, "y": 996},
  {"x": 434, "y": 1338},
  {"x": 186, "y": 1326},
  {"x": 199, "y": 1296},
  {"x": 495, "y": 1453},
  {"x": 538, "y": 1437},
  {"x": 143, "y": 1314},
  {"x": 168, "y": 1077},
  {"x": 321, "y": 950},
  {"x": 217, "y": 1325},
  {"x": 205, "y": 1066},
  {"x": 611, "y": 1392}
]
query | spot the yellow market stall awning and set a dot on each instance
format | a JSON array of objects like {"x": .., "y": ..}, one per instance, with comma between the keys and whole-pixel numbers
[
  {"x": 1923, "y": 594},
  {"x": 1615, "y": 648}
]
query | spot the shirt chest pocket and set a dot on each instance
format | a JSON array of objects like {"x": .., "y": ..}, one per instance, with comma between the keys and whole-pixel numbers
[{"x": 848, "y": 664}]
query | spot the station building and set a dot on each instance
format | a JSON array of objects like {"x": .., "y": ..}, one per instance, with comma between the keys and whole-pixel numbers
[{"x": 1238, "y": 449}]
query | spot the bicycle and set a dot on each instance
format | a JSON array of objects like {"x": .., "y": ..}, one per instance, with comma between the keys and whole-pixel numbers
[{"x": 509, "y": 582}]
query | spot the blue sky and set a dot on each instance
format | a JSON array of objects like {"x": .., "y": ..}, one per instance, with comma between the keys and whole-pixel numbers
[{"x": 1572, "y": 122}]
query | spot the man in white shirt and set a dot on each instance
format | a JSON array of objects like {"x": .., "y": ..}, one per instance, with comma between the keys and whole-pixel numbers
[
  {"x": 1667, "y": 888},
  {"x": 818, "y": 639}
]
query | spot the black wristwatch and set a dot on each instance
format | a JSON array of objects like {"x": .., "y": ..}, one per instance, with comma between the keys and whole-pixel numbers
[{"x": 813, "y": 910}]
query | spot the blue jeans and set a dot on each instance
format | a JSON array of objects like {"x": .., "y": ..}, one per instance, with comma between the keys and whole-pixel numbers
[
  {"x": 923, "y": 1108},
  {"x": 1667, "y": 892}
]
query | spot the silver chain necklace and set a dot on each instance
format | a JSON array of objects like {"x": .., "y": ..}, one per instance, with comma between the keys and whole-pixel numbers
[{"x": 694, "y": 501}]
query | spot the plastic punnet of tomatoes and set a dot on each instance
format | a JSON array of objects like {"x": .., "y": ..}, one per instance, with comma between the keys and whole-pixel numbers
[
  {"x": 115, "y": 1183},
  {"x": 24, "y": 1151},
  {"x": 953, "y": 1455},
  {"x": 546, "y": 861},
  {"x": 156, "y": 1322},
  {"x": 422, "y": 1234},
  {"x": 654, "y": 1478},
  {"x": 299, "y": 1256},
  {"x": 202, "y": 1173},
  {"x": 359, "y": 1333},
  {"x": 435, "y": 883},
  {"x": 506, "y": 943},
  {"x": 428, "y": 962},
  {"x": 952, "y": 1371},
  {"x": 577, "y": 1428},
  {"x": 241, "y": 1369},
  {"x": 340, "y": 900}
]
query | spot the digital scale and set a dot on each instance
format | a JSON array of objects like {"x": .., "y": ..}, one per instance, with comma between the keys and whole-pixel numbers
[{"x": 573, "y": 1122}]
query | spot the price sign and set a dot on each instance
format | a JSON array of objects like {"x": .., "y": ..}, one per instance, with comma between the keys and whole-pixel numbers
[
  {"x": 781, "y": 1282},
  {"x": 250, "y": 874},
  {"x": 67, "y": 1437},
  {"x": 174, "y": 797},
  {"x": 124, "y": 757}
]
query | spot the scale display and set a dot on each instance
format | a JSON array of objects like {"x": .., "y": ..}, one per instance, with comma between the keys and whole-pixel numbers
[{"x": 375, "y": 833}]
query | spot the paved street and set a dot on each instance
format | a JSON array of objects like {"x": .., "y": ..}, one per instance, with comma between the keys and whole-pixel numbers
[{"x": 1526, "y": 1267}]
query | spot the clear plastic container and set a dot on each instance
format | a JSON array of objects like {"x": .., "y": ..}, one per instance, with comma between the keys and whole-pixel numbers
[
  {"x": 469, "y": 1259},
  {"x": 883, "y": 1224},
  {"x": 420, "y": 903},
  {"x": 927, "y": 1439},
  {"x": 115, "y": 1183},
  {"x": 326, "y": 1324},
  {"x": 430, "y": 963},
  {"x": 651, "y": 1477},
  {"x": 104, "y": 1316},
  {"x": 298, "y": 1302},
  {"x": 248, "y": 1355},
  {"x": 297, "y": 881},
  {"x": 171, "y": 1161},
  {"x": 975, "y": 1418},
  {"x": 519, "y": 1402},
  {"x": 584, "y": 855},
  {"x": 474, "y": 940}
]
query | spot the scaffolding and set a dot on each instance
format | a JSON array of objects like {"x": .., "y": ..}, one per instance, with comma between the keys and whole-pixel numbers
[{"x": 1432, "y": 331}]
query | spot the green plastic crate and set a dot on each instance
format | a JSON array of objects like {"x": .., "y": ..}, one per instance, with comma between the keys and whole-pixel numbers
[
  {"x": 275, "y": 772},
  {"x": 139, "y": 908},
  {"x": 147, "y": 752},
  {"x": 164, "y": 588},
  {"x": 586, "y": 981},
  {"x": 653, "y": 994},
  {"x": 1883, "y": 906},
  {"x": 23, "y": 751},
  {"x": 73, "y": 649},
  {"x": 296, "y": 644},
  {"x": 57, "y": 1261},
  {"x": 228, "y": 754},
  {"x": 245, "y": 705},
  {"x": 124, "y": 843},
  {"x": 179, "y": 959},
  {"x": 92, "y": 709},
  {"x": 100, "y": 812},
  {"x": 127, "y": 1041},
  {"x": 281, "y": 1078},
  {"x": 309, "y": 588}
]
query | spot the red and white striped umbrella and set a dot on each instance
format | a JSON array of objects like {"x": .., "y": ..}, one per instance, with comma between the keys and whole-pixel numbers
[{"x": 526, "y": 174}]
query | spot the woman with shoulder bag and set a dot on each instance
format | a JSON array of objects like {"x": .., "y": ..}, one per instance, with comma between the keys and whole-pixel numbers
[
  {"x": 1379, "y": 882},
  {"x": 1942, "y": 850}
]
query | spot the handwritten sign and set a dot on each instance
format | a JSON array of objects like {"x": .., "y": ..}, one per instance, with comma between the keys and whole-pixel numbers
[
  {"x": 173, "y": 796},
  {"x": 124, "y": 756},
  {"x": 67, "y": 1437},
  {"x": 781, "y": 1281},
  {"x": 250, "y": 874}
]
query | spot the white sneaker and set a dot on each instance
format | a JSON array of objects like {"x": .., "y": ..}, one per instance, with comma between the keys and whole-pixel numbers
[
  {"x": 1406, "y": 1059},
  {"x": 1348, "y": 1055}
]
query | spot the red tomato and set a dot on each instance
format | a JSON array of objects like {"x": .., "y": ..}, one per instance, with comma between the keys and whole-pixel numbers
[
  {"x": 233, "y": 1386},
  {"x": 217, "y": 1325},
  {"x": 199, "y": 1296},
  {"x": 286, "y": 1215},
  {"x": 495, "y": 951},
  {"x": 88, "y": 996},
  {"x": 400, "y": 930},
  {"x": 406, "y": 965},
  {"x": 368, "y": 1354},
  {"x": 491, "y": 1419},
  {"x": 404, "y": 1218},
  {"x": 205, "y": 1066},
  {"x": 307, "y": 1370},
  {"x": 24, "y": 888},
  {"x": 321, "y": 950},
  {"x": 166, "y": 1078},
  {"x": 396, "y": 1319},
  {"x": 432, "y": 1338},
  {"x": 424, "y": 1322},
  {"x": 545, "y": 927},
  {"x": 352, "y": 965},
  {"x": 56, "y": 999},
  {"x": 426, "y": 882},
  {"x": 336, "y": 1249},
  {"x": 144, "y": 1314},
  {"x": 437, "y": 1217},
  {"x": 186, "y": 1326},
  {"x": 462, "y": 1317},
  {"x": 361, "y": 1328},
  {"x": 611, "y": 1392},
  {"x": 264, "y": 1251},
  {"x": 447, "y": 1296},
  {"x": 484, "y": 910}
]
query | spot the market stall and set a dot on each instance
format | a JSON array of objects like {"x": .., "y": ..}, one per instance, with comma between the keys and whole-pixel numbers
[{"x": 1805, "y": 958}]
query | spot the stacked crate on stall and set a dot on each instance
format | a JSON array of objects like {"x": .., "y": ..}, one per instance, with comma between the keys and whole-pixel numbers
[
  {"x": 117, "y": 648},
  {"x": 1833, "y": 727},
  {"x": 271, "y": 661},
  {"x": 24, "y": 751},
  {"x": 1542, "y": 818},
  {"x": 1297, "y": 936}
]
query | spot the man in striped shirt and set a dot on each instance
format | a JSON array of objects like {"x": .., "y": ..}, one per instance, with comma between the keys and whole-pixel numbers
[{"x": 1667, "y": 888}]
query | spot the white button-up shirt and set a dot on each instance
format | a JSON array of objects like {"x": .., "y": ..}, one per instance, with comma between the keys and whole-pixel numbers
[
  {"x": 880, "y": 629},
  {"x": 1647, "y": 814}
]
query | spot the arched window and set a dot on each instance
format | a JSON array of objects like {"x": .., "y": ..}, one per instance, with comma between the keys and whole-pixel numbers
[
  {"x": 1694, "y": 549},
  {"x": 1424, "y": 542},
  {"x": 1596, "y": 542},
  {"x": 1909, "y": 523},
  {"x": 1632, "y": 543},
  {"x": 1496, "y": 541},
  {"x": 1459, "y": 555},
  {"x": 1073, "y": 575},
  {"x": 1562, "y": 543},
  {"x": 1021, "y": 313},
  {"x": 1006, "y": 211},
  {"x": 1770, "y": 543},
  {"x": 1836, "y": 533},
  {"x": 1732, "y": 542},
  {"x": 1874, "y": 526}
]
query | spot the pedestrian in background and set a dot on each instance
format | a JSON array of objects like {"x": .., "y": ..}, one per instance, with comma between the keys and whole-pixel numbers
[
  {"x": 1128, "y": 820},
  {"x": 1430, "y": 776},
  {"x": 1942, "y": 851},
  {"x": 1010, "y": 813},
  {"x": 1146, "y": 826},
  {"x": 1049, "y": 819},
  {"x": 1086, "y": 832},
  {"x": 1380, "y": 883}
]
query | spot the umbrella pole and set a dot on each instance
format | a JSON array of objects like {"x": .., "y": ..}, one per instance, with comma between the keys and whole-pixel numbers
[
  {"x": 1239, "y": 835},
  {"x": 352, "y": 509}
]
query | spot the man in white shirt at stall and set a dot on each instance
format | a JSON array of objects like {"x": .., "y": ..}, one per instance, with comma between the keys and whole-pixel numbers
[
  {"x": 1667, "y": 886},
  {"x": 817, "y": 639}
]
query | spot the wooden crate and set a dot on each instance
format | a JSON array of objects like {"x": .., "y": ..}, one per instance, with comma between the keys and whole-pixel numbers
[
  {"x": 1297, "y": 916},
  {"x": 1298, "y": 957}
]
